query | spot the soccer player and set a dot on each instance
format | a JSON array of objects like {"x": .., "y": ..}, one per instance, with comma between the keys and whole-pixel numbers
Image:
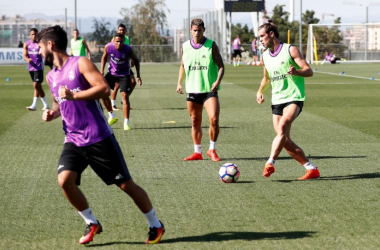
[
  {"x": 285, "y": 69},
  {"x": 254, "y": 51},
  {"x": 77, "y": 85},
  {"x": 78, "y": 45},
  {"x": 122, "y": 30},
  {"x": 237, "y": 50},
  {"x": 204, "y": 69},
  {"x": 119, "y": 70},
  {"x": 331, "y": 58},
  {"x": 36, "y": 69}
]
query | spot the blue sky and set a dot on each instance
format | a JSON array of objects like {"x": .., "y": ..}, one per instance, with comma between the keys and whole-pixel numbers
[{"x": 179, "y": 9}]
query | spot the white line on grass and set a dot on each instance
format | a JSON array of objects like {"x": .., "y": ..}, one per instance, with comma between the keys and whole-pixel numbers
[{"x": 335, "y": 74}]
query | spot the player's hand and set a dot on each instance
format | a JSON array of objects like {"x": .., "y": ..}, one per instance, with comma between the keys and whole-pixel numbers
[
  {"x": 48, "y": 115},
  {"x": 65, "y": 93},
  {"x": 179, "y": 89},
  {"x": 260, "y": 98},
  {"x": 292, "y": 70},
  {"x": 139, "y": 81},
  {"x": 215, "y": 87}
]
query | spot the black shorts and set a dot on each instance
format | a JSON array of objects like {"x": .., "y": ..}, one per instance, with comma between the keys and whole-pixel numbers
[
  {"x": 254, "y": 53},
  {"x": 237, "y": 52},
  {"x": 200, "y": 98},
  {"x": 37, "y": 76},
  {"x": 104, "y": 157},
  {"x": 124, "y": 82},
  {"x": 131, "y": 72},
  {"x": 278, "y": 109}
]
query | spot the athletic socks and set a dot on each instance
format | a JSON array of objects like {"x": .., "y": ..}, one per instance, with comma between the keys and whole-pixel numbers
[
  {"x": 88, "y": 216},
  {"x": 212, "y": 145},
  {"x": 34, "y": 104},
  {"x": 152, "y": 219},
  {"x": 271, "y": 161},
  {"x": 308, "y": 165},
  {"x": 111, "y": 114},
  {"x": 126, "y": 121},
  {"x": 113, "y": 102},
  {"x": 198, "y": 148},
  {"x": 43, "y": 99}
]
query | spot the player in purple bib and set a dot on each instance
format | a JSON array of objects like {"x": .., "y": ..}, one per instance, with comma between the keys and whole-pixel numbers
[
  {"x": 119, "y": 70},
  {"x": 36, "y": 69},
  {"x": 76, "y": 86}
]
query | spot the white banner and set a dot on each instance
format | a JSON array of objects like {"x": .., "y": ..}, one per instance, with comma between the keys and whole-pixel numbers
[{"x": 11, "y": 56}]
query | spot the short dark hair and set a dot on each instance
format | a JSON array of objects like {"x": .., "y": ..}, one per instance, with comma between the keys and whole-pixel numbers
[
  {"x": 55, "y": 34},
  {"x": 198, "y": 22},
  {"x": 122, "y": 25},
  {"x": 76, "y": 30},
  {"x": 119, "y": 35},
  {"x": 34, "y": 29},
  {"x": 270, "y": 26}
]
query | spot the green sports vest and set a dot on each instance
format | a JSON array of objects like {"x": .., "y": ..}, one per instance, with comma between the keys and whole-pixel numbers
[
  {"x": 201, "y": 70},
  {"x": 126, "y": 40},
  {"x": 77, "y": 47},
  {"x": 285, "y": 87}
]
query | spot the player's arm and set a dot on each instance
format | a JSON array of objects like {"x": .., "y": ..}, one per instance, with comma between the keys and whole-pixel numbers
[
  {"x": 136, "y": 61},
  {"x": 87, "y": 49},
  {"x": 103, "y": 61},
  {"x": 305, "y": 70},
  {"x": 52, "y": 113},
  {"x": 219, "y": 62},
  {"x": 180, "y": 75},
  {"x": 25, "y": 53},
  {"x": 265, "y": 82},
  {"x": 99, "y": 87}
]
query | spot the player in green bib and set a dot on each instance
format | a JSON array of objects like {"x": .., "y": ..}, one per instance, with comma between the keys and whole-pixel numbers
[
  {"x": 79, "y": 46},
  {"x": 285, "y": 69},
  {"x": 204, "y": 69}
]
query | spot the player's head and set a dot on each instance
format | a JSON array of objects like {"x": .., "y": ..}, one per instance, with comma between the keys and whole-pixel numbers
[
  {"x": 121, "y": 29},
  {"x": 118, "y": 40},
  {"x": 33, "y": 34},
  {"x": 52, "y": 39},
  {"x": 75, "y": 33},
  {"x": 268, "y": 32},
  {"x": 197, "y": 28}
]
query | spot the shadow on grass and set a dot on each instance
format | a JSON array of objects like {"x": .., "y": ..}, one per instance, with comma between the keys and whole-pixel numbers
[
  {"x": 225, "y": 236},
  {"x": 290, "y": 158},
  {"x": 174, "y": 127},
  {"x": 352, "y": 177},
  {"x": 339, "y": 177}
]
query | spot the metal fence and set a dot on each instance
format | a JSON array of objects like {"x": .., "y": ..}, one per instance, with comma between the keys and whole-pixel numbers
[{"x": 146, "y": 53}]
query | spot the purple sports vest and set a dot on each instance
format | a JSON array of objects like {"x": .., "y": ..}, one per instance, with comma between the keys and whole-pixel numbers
[
  {"x": 119, "y": 60},
  {"x": 33, "y": 50},
  {"x": 84, "y": 122}
]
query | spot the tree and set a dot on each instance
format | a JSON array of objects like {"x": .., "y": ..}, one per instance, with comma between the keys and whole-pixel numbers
[
  {"x": 146, "y": 22},
  {"x": 102, "y": 34},
  {"x": 149, "y": 21}
]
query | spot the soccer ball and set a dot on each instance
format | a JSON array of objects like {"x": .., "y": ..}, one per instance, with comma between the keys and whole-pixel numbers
[{"x": 229, "y": 173}]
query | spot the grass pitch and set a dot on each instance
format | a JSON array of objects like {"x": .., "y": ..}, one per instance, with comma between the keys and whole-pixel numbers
[{"x": 338, "y": 129}]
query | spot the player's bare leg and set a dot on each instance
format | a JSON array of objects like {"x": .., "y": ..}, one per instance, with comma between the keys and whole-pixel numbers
[
  {"x": 195, "y": 111},
  {"x": 213, "y": 110},
  {"x": 126, "y": 109}
]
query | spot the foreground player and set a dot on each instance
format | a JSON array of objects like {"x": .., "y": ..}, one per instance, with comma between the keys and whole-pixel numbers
[
  {"x": 77, "y": 86},
  {"x": 285, "y": 69},
  {"x": 204, "y": 68},
  {"x": 36, "y": 69},
  {"x": 119, "y": 70}
]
